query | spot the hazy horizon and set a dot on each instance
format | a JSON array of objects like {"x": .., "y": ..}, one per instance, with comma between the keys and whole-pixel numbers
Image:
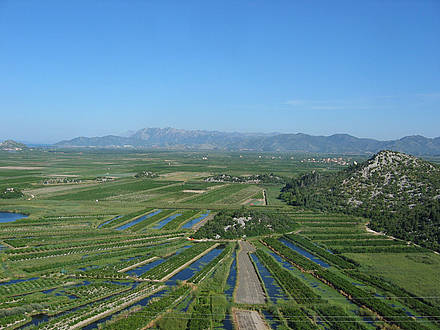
[{"x": 125, "y": 133}]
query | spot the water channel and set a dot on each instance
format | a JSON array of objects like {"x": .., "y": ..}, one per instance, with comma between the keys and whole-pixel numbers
[
  {"x": 136, "y": 221},
  {"x": 304, "y": 253},
  {"x": 143, "y": 302},
  {"x": 231, "y": 280},
  {"x": 18, "y": 281},
  {"x": 274, "y": 291},
  {"x": 192, "y": 222},
  {"x": 196, "y": 266},
  {"x": 108, "y": 221},
  {"x": 11, "y": 217},
  {"x": 165, "y": 221}
]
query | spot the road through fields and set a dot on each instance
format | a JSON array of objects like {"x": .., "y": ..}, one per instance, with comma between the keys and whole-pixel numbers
[
  {"x": 249, "y": 289},
  {"x": 249, "y": 320}
]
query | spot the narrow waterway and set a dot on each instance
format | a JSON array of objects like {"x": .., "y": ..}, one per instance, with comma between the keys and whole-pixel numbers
[
  {"x": 108, "y": 221},
  {"x": 143, "y": 302},
  {"x": 195, "y": 267},
  {"x": 231, "y": 280},
  {"x": 192, "y": 222},
  {"x": 304, "y": 253},
  {"x": 136, "y": 221},
  {"x": 165, "y": 221},
  {"x": 274, "y": 291},
  {"x": 11, "y": 217}
]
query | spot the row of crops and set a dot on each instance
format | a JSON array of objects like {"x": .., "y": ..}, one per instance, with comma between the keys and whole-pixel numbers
[
  {"x": 74, "y": 302},
  {"x": 345, "y": 234},
  {"x": 99, "y": 307},
  {"x": 149, "y": 219},
  {"x": 176, "y": 261},
  {"x": 85, "y": 250},
  {"x": 77, "y": 274},
  {"x": 85, "y": 245},
  {"x": 360, "y": 289}
]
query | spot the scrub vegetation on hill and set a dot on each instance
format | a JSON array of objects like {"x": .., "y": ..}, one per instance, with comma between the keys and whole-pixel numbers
[
  {"x": 397, "y": 192},
  {"x": 244, "y": 223},
  {"x": 10, "y": 193}
]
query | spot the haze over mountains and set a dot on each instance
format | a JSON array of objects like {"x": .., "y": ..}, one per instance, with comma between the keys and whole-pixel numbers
[{"x": 213, "y": 140}]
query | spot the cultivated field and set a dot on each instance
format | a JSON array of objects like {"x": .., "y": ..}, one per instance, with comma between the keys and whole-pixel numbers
[{"x": 105, "y": 245}]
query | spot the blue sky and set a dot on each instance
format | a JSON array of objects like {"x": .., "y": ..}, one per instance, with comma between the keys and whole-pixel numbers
[{"x": 95, "y": 67}]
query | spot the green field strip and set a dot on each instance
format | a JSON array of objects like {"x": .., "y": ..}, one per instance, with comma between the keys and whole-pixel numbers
[
  {"x": 127, "y": 218},
  {"x": 177, "y": 222},
  {"x": 81, "y": 250},
  {"x": 144, "y": 224},
  {"x": 66, "y": 246},
  {"x": 201, "y": 186},
  {"x": 364, "y": 242},
  {"x": 307, "y": 292},
  {"x": 363, "y": 296},
  {"x": 155, "y": 309},
  {"x": 174, "y": 262},
  {"x": 241, "y": 196},
  {"x": 217, "y": 194},
  {"x": 111, "y": 189},
  {"x": 379, "y": 249},
  {"x": 333, "y": 259},
  {"x": 324, "y": 237}
]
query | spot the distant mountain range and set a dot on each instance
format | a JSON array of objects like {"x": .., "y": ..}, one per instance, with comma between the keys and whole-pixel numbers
[{"x": 172, "y": 138}]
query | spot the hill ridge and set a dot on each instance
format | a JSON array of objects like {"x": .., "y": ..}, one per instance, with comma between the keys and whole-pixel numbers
[
  {"x": 11, "y": 145},
  {"x": 398, "y": 192},
  {"x": 173, "y": 138}
]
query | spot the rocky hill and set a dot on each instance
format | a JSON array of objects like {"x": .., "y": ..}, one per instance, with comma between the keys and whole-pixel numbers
[
  {"x": 212, "y": 140},
  {"x": 392, "y": 179},
  {"x": 11, "y": 145},
  {"x": 398, "y": 192}
]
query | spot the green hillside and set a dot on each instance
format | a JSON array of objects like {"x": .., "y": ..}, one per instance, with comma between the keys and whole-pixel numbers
[
  {"x": 398, "y": 192},
  {"x": 12, "y": 145}
]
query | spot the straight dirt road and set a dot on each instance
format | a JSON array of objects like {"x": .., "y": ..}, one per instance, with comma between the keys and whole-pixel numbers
[
  {"x": 249, "y": 289},
  {"x": 249, "y": 320}
]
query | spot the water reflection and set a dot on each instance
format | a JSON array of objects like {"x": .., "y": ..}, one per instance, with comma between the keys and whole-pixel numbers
[
  {"x": 273, "y": 289},
  {"x": 136, "y": 221},
  {"x": 192, "y": 222},
  {"x": 304, "y": 253},
  {"x": 196, "y": 266},
  {"x": 11, "y": 217},
  {"x": 165, "y": 221},
  {"x": 232, "y": 278},
  {"x": 143, "y": 302},
  {"x": 108, "y": 221}
]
